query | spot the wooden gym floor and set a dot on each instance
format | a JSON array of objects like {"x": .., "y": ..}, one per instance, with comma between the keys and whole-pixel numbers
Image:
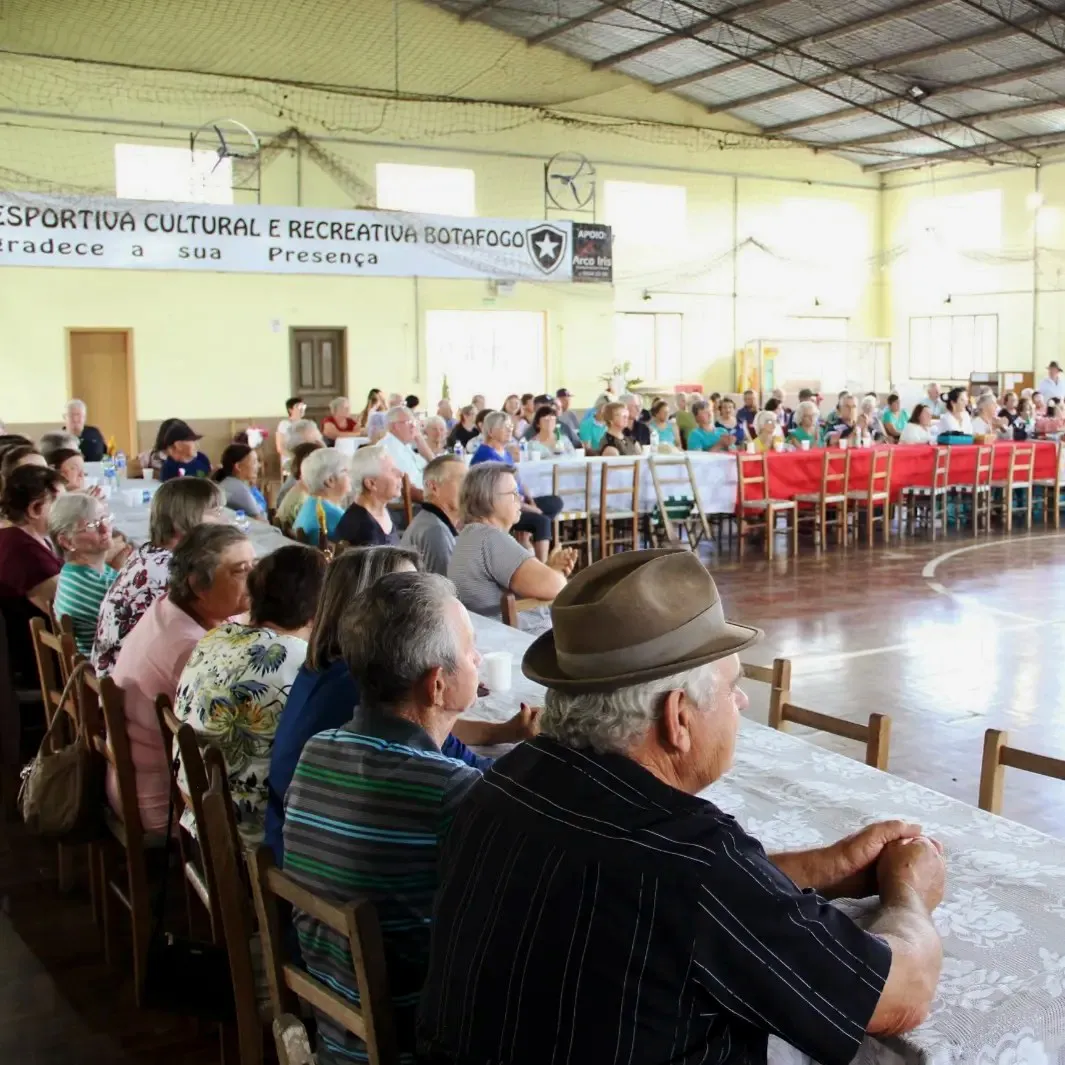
[{"x": 949, "y": 638}]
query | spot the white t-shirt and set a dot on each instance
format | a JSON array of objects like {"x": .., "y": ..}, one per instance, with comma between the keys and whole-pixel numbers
[
  {"x": 913, "y": 433},
  {"x": 404, "y": 457},
  {"x": 950, "y": 423},
  {"x": 1052, "y": 390}
]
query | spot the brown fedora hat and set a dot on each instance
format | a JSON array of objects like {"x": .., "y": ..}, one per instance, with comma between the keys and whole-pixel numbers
[{"x": 631, "y": 618}]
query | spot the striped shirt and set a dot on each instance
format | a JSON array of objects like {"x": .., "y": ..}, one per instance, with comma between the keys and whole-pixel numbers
[
  {"x": 78, "y": 595},
  {"x": 588, "y": 912},
  {"x": 364, "y": 816}
]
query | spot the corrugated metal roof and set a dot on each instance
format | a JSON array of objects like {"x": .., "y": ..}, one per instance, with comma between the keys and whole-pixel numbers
[{"x": 787, "y": 63}]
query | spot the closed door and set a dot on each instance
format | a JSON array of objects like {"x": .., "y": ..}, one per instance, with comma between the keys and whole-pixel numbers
[
  {"x": 101, "y": 374},
  {"x": 318, "y": 373}
]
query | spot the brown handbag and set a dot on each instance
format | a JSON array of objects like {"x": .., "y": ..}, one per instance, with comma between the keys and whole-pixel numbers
[{"x": 62, "y": 790}]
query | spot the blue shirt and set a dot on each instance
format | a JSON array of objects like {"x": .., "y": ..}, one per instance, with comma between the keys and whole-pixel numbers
[
  {"x": 489, "y": 454},
  {"x": 592, "y": 433},
  {"x": 700, "y": 439},
  {"x": 200, "y": 466},
  {"x": 307, "y": 518},
  {"x": 316, "y": 703}
]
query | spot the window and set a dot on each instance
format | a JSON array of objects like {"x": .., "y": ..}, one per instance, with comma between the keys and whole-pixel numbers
[
  {"x": 646, "y": 214},
  {"x": 950, "y": 347},
  {"x": 960, "y": 223},
  {"x": 176, "y": 175},
  {"x": 652, "y": 345},
  {"x": 426, "y": 189}
]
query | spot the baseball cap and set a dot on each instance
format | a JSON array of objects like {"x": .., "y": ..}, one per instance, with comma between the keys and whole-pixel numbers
[
  {"x": 563, "y": 392},
  {"x": 178, "y": 433}
]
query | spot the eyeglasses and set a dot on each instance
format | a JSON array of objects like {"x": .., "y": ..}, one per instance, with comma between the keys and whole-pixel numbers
[
  {"x": 516, "y": 494},
  {"x": 100, "y": 524}
]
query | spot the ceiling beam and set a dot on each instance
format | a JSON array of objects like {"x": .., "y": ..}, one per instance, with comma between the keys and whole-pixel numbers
[
  {"x": 737, "y": 11},
  {"x": 990, "y": 81},
  {"x": 868, "y": 23},
  {"x": 1042, "y": 140},
  {"x": 885, "y": 63},
  {"x": 476, "y": 9},
  {"x": 571, "y": 24}
]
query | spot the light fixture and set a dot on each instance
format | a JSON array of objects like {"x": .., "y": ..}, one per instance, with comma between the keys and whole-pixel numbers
[
  {"x": 1034, "y": 200},
  {"x": 917, "y": 92},
  {"x": 949, "y": 299}
]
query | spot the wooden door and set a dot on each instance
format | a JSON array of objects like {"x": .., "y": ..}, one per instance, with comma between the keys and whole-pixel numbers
[
  {"x": 101, "y": 374},
  {"x": 318, "y": 368}
]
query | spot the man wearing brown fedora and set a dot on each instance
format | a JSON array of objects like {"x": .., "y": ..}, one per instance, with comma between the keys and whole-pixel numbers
[{"x": 592, "y": 908}]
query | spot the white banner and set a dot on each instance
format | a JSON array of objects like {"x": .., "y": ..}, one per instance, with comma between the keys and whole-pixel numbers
[{"x": 141, "y": 235}]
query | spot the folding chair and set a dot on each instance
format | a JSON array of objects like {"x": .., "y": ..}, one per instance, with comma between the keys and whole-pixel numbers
[
  {"x": 760, "y": 512},
  {"x": 827, "y": 508},
  {"x": 998, "y": 756},
  {"x": 876, "y": 735},
  {"x": 573, "y": 527},
  {"x": 627, "y": 517},
  {"x": 878, "y": 494},
  {"x": 927, "y": 499},
  {"x": 680, "y": 511},
  {"x": 1019, "y": 474}
]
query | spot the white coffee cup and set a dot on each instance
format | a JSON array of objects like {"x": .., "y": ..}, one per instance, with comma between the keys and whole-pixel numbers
[
  {"x": 778, "y": 445},
  {"x": 148, "y": 473},
  {"x": 804, "y": 444},
  {"x": 578, "y": 452},
  {"x": 497, "y": 669}
]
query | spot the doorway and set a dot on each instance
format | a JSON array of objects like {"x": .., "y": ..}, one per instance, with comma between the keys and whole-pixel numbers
[
  {"x": 319, "y": 367},
  {"x": 100, "y": 363}
]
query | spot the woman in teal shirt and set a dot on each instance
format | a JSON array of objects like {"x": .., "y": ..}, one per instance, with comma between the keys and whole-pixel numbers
[
  {"x": 592, "y": 428},
  {"x": 327, "y": 475},
  {"x": 705, "y": 437},
  {"x": 893, "y": 418},
  {"x": 661, "y": 424}
]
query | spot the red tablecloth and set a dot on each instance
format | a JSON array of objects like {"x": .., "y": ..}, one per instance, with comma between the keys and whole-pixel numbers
[{"x": 793, "y": 473}]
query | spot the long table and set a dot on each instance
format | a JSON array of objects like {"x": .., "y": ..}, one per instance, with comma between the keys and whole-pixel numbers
[{"x": 1001, "y": 996}]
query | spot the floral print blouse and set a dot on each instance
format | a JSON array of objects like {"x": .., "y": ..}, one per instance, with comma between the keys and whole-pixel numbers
[
  {"x": 141, "y": 581},
  {"x": 232, "y": 692}
]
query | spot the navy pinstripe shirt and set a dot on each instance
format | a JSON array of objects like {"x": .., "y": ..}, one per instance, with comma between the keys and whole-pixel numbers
[{"x": 587, "y": 912}]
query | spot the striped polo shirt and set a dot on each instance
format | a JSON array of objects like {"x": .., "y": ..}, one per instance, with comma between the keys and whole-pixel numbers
[
  {"x": 589, "y": 913},
  {"x": 78, "y": 595},
  {"x": 364, "y": 817}
]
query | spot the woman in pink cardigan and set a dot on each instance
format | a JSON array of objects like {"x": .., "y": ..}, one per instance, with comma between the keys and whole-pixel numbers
[{"x": 208, "y": 584}]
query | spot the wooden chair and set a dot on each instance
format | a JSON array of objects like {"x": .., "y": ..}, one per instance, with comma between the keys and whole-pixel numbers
[
  {"x": 619, "y": 527},
  {"x": 876, "y": 735},
  {"x": 674, "y": 482},
  {"x": 977, "y": 495},
  {"x": 928, "y": 499},
  {"x": 218, "y": 833},
  {"x": 573, "y": 528},
  {"x": 125, "y": 831},
  {"x": 761, "y": 510},
  {"x": 372, "y": 1020},
  {"x": 998, "y": 756},
  {"x": 291, "y": 1041},
  {"x": 404, "y": 502},
  {"x": 321, "y": 541},
  {"x": 778, "y": 677},
  {"x": 827, "y": 508},
  {"x": 510, "y": 607},
  {"x": 878, "y": 494},
  {"x": 1019, "y": 475},
  {"x": 1052, "y": 487}
]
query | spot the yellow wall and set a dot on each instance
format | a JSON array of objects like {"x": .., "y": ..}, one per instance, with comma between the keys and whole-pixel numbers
[{"x": 206, "y": 344}]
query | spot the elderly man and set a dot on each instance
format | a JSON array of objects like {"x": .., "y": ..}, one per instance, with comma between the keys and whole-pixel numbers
[
  {"x": 369, "y": 802},
  {"x": 935, "y": 400},
  {"x": 566, "y": 416},
  {"x": 434, "y": 529},
  {"x": 1053, "y": 385},
  {"x": 406, "y": 445},
  {"x": 848, "y": 423},
  {"x": 590, "y": 900},
  {"x": 748, "y": 412},
  {"x": 90, "y": 439},
  {"x": 478, "y": 402}
]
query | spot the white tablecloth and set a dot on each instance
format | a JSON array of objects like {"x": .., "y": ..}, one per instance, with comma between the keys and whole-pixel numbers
[
  {"x": 1001, "y": 996},
  {"x": 715, "y": 478}
]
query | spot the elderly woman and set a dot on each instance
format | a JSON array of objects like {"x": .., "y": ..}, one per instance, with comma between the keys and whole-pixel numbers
[
  {"x": 237, "y": 474},
  {"x": 325, "y": 694},
  {"x": 592, "y": 426},
  {"x": 178, "y": 507},
  {"x": 435, "y": 433},
  {"x": 291, "y": 498},
  {"x": 766, "y": 431},
  {"x": 234, "y": 686},
  {"x": 444, "y": 410},
  {"x": 208, "y": 584},
  {"x": 303, "y": 431},
  {"x": 81, "y": 528},
  {"x": 868, "y": 410},
  {"x": 376, "y": 482},
  {"x": 805, "y": 430},
  {"x": 536, "y": 514},
  {"x": 338, "y": 422},
  {"x": 955, "y": 419},
  {"x": 21, "y": 455},
  {"x": 894, "y": 418},
  {"x": 70, "y": 465},
  {"x": 327, "y": 476},
  {"x": 918, "y": 430},
  {"x": 464, "y": 430},
  {"x": 616, "y": 418},
  {"x": 29, "y": 568},
  {"x": 488, "y": 562},
  {"x": 986, "y": 421},
  {"x": 728, "y": 420},
  {"x": 705, "y": 436},
  {"x": 547, "y": 439},
  {"x": 662, "y": 424}
]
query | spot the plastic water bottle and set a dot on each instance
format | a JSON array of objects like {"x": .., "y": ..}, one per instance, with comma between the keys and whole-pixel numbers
[
  {"x": 654, "y": 441},
  {"x": 523, "y": 451},
  {"x": 460, "y": 451},
  {"x": 559, "y": 447},
  {"x": 120, "y": 467},
  {"x": 242, "y": 520},
  {"x": 110, "y": 477}
]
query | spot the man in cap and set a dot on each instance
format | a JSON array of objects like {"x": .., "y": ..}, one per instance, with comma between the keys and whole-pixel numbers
[
  {"x": 563, "y": 426},
  {"x": 183, "y": 458},
  {"x": 592, "y": 907},
  {"x": 566, "y": 416}
]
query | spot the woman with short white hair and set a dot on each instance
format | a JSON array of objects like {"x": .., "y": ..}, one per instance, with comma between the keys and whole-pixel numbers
[
  {"x": 326, "y": 473},
  {"x": 434, "y": 431},
  {"x": 766, "y": 430},
  {"x": 869, "y": 408},
  {"x": 376, "y": 482},
  {"x": 805, "y": 428},
  {"x": 986, "y": 421},
  {"x": 593, "y": 428},
  {"x": 338, "y": 422}
]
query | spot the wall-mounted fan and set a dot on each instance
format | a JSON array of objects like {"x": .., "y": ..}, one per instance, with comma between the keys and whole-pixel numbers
[
  {"x": 569, "y": 181},
  {"x": 230, "y": 139}
]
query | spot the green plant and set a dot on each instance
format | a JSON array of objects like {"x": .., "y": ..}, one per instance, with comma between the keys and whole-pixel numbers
[{"x": 621, "y": 370}]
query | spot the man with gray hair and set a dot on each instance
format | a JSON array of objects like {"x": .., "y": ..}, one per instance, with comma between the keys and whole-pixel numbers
[
  {"x": 434, "y": 530},
  {"x": 370, "y": 802},
  {"x": 402, "y": 440},
  {"x": 90, "y": 440},
  {"x": 614, "y": 907}
]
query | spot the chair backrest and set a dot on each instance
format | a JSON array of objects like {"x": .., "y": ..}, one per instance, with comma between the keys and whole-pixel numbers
[
  {"x": 876, "y": 735},
  {"x": 676, "y": 472},
  {"x": 752, "y": 470},
  {"x": 619, "y": 479},
  {"x": 881, "y": 460},
  {"x": 1022, "y": 464},
  {"x": 573, "y": 479},
  {"x": 55, "y": 662},
  {"x": 998, "y": 756},
  {"x": 406, "y": 501},
  {"x": 778, "y": 677},
  {"x": 510, "y": 607},
  {"x": 372, "y": 1019},
  {"x": 941, "y": 469},
  {"x": 833, "y": 471},
  {"x": 218, "y": 833},
  {"x": 985, "y": 466}
]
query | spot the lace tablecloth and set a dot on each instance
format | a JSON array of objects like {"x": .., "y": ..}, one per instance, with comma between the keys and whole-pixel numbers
[{"x": 1001, "y": 996}]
